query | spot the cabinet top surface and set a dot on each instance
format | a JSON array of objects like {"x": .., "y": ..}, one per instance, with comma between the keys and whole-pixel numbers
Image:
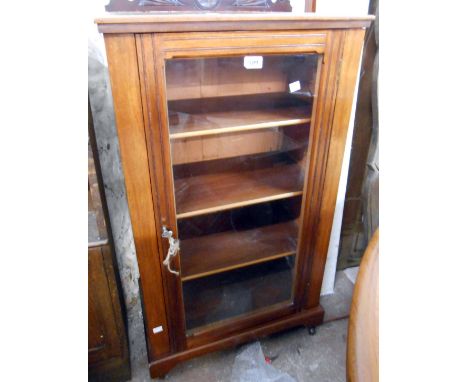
[{"x": 189, "y": 21}]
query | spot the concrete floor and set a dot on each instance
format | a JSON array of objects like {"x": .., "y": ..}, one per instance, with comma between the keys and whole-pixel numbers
[{"x": 320, "y": 358}]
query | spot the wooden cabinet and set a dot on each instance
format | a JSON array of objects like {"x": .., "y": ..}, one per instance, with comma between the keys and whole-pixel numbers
[{"x": 231, "y": 130}]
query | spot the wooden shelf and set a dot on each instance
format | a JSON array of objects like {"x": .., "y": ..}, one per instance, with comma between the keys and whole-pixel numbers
[
  {"x": 216, "y": 253},
  {"x": 194, "y": 118},
  {"x": 223, "y": 296},
  {"x": 207, "y": 193},
  {"x": 206, "y": 123}
]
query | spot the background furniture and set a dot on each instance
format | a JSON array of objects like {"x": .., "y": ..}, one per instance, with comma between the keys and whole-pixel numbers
[
  {"x": 232, "y": 130},
  {"x": 362, "y": 360},
  {"x": 200, "y": 5},
  {"x": 108, "y": 356}
]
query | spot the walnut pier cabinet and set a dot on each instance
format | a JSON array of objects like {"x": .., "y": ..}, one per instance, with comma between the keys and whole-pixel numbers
[{"x": 232, "y": 129}]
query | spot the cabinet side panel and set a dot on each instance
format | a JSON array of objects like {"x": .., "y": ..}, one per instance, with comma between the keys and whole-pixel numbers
[
  {"x": 123, "y": 69},
  {"x": 353, "y": 40},
  {"x": 154, "y": 104}
]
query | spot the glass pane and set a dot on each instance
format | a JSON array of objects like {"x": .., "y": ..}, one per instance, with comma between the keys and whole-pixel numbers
[{"x": 239, "y": 130}]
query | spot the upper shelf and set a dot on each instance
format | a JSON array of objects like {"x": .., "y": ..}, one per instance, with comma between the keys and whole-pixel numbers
[
  {"x": 204, "y": 124},
  {"x": 193, "y": 118}
]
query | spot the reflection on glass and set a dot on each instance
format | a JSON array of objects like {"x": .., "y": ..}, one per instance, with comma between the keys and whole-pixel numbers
[{"x": 225, "y": 295}]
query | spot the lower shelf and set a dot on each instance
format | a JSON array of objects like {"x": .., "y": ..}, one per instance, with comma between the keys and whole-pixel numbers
[
  {"x": 208, "y": 193},
  {"x": 205, "y": 255},
  {"x": 222, "y": 296}
]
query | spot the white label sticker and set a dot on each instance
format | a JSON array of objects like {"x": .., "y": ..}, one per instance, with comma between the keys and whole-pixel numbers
[
  {"x": 157, "y": 329},
  {"x": 253, "y": 62},
  {"x": 294, "y": 86}
]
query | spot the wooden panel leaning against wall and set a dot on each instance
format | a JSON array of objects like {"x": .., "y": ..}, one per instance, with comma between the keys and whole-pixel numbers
[
  {"x": 361, "y": 209},
  {"x": 108, "y": 356},
  {"x": 229, "y": 170}
]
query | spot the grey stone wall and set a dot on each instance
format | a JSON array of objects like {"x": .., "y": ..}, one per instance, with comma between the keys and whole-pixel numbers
[
  {"x": 109, "y": 156},
  {"x": 100, "y": 96}
]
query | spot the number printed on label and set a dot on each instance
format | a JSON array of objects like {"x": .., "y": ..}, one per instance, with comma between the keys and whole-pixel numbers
[{"x": 253, "y": 62}]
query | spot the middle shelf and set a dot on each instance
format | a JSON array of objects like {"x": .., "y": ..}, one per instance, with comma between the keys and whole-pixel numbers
[{"x": 207, "y": 193}]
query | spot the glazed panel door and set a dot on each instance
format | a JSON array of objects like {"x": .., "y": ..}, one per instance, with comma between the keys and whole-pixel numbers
[{"x": 232, "y": 139}]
